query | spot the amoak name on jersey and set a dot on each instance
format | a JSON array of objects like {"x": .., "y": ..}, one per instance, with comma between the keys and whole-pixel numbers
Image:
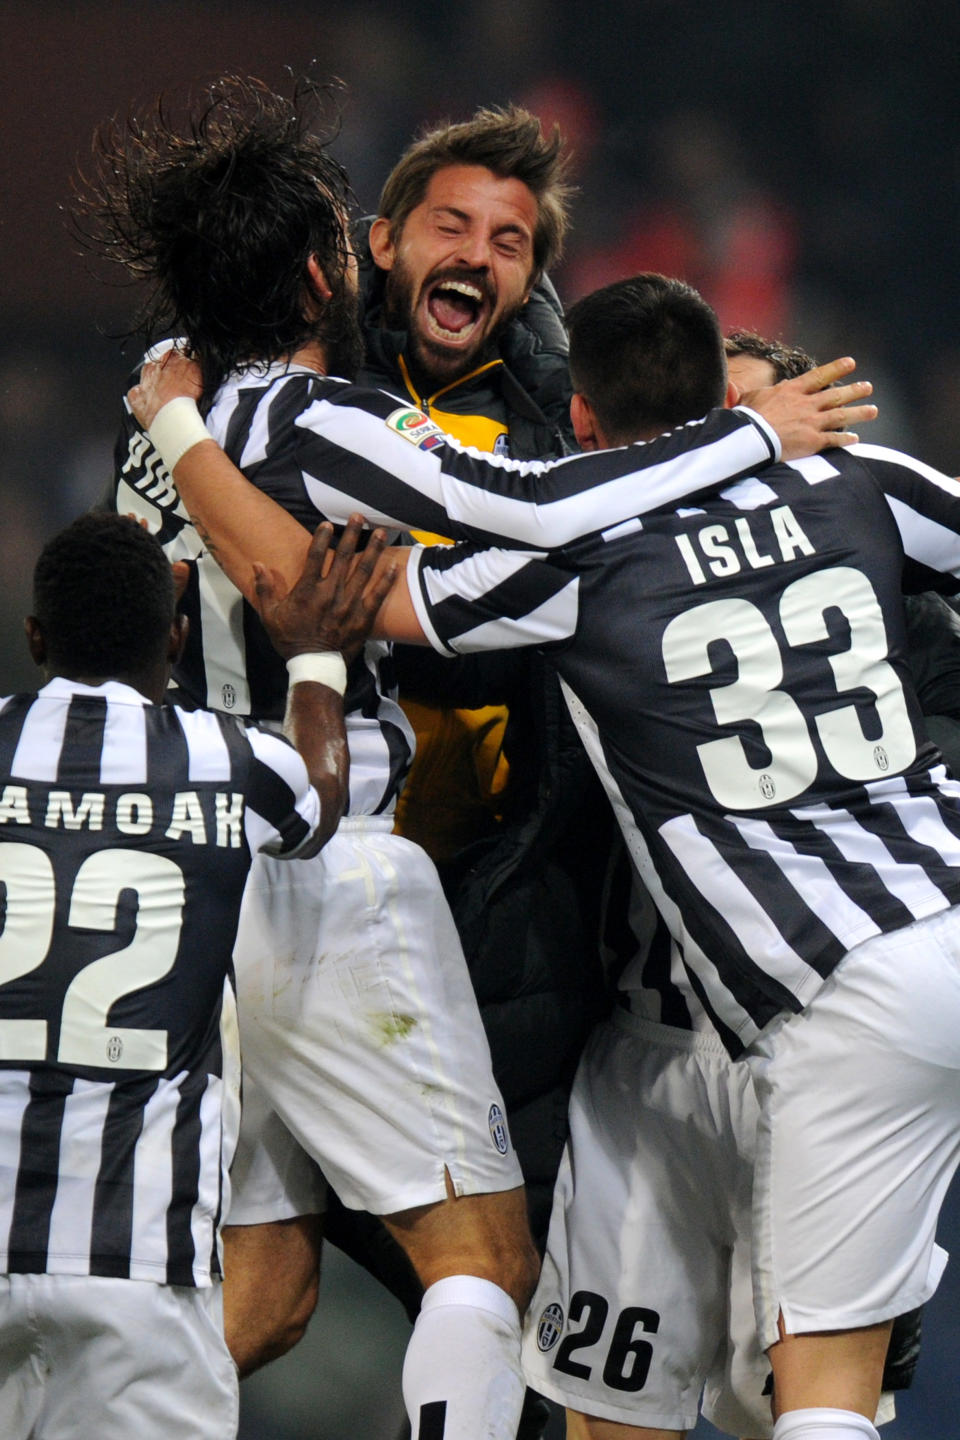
[{"x": 184, "y": 816}]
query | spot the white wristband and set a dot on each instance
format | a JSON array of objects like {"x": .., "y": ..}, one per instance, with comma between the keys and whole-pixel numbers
[
  {"x": 326, "y": 667},
  {"x": 177, "y": 427}
]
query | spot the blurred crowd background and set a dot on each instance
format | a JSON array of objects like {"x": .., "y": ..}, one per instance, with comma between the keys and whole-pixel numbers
[{"x": 798, "y": 162}]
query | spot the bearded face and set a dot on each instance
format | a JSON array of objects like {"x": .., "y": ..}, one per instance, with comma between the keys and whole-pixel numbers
[{"x": 459, "y": 270}]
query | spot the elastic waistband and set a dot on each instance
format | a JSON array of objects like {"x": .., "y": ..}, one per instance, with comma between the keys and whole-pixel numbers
[
  {"x": 705, "y": 1042},
  {"x": 372, "y": 824}
]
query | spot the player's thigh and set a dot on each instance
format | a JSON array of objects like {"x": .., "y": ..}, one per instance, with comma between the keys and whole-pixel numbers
[
  {"x": 358, "y": 1019},
  {"x": 859, "y": 1136},
  {"x": 631, "y": 1301}
]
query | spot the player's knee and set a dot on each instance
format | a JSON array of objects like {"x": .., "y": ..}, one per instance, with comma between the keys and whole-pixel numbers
[
  {"x": 483, "y": 1235},
  {"x": 514, "y": 1269},
  {"x": 271, "y": 1283},
  {"x": 263, "y": 1335},
  {"x": 524, "y": 1272},
  {"x": 504, "y": 1248}
]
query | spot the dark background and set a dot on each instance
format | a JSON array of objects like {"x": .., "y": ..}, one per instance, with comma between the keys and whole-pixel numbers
[{"x": 798, "y": 162}]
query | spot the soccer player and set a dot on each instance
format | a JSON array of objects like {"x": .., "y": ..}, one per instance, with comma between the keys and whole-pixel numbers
[
  {"x": 663, "y": 1132},
  {"x": 127, "y": 829},
  {"x": 652, "y": 1214},
  {"x": 393, "y": 1097}
]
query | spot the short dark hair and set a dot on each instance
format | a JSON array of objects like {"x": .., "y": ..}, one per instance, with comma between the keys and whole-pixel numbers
[
  {"x": 510, "y": 142},
  {"x": 647, "y": 353},
  {"x": 219, "y": 215},
  {"x": 788, "y": 361},
  {"x": 103, "y": 594}
]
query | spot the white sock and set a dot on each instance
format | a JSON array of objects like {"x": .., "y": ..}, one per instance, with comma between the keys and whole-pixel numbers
[
  {"x": 461, "y": 1373},
  {"x": 823, "y": 1424}
]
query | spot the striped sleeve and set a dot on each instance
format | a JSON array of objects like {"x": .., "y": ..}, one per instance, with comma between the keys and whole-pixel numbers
[
  {"x": 337, "y": 449},
  {"x": 925, "y": 505},
  {"x": 283, "y": 809},
  {"x": 470, "y": 599}
]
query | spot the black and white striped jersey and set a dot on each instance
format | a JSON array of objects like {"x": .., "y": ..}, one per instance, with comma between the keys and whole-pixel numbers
[
  {"x": 323, "y": 449},
  {"x": 126, "y": 835},
  {"x": 739, "y": 675}
]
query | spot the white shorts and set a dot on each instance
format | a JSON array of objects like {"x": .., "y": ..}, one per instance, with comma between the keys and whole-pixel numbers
[
  {"x": 859, "y": 1135},
  {"x": 273, "y": 1178},
  {"x": 359, "y": 1024},
  {"x": 645, "y": 1294},
  {"x": 87, "y": 1358}
]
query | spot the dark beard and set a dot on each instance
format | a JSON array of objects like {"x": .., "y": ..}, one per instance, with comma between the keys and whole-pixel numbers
[
  {"x": 338, "y": 331},
  {"x": 397, "y": 298},
  {"x": 430, "y": 363}
]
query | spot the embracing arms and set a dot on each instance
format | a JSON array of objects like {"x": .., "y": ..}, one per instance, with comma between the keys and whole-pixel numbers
[{"x": 545, "y": 505}]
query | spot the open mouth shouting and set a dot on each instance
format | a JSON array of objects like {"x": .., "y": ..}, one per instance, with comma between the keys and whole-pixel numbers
[{"x": 455, "y": 310}]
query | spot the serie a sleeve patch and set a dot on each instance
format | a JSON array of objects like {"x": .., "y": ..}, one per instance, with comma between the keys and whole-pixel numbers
[{"x": 416, "y": 427}]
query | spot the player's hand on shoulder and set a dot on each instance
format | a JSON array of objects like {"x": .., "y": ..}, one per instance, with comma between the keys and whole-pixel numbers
[
  {"x": 171, "y": 377},
  {"x": 334, "y": 603},
  {"x": 813, "y": 411}
]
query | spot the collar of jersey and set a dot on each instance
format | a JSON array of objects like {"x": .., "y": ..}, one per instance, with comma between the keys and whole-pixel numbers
[
  {"x": 431, "y": 400},
  {"x": 275, "y": 370},
  {"x": 60, "y": 688}
]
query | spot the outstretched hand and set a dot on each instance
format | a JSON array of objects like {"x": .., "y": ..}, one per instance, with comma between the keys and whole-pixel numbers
[
  {"x": 811, "y": 412},
  {"x": 334, "y": 602},
  {"x": 168, "y": 378}
]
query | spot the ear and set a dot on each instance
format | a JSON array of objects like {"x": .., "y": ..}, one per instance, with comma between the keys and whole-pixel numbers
[
  {"x": 318, "y": 279},
  {"x": 733, "y": 396},
  {"x": 381, "y": 242},
  {"x": 36, "y": 644},
  {"x": 181, "y": 578},
  {"x": 177, "y": 639},
  {"x": 584, "y": 423}
]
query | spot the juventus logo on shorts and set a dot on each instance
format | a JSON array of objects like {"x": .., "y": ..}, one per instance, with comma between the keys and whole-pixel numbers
[
  {"x": 550, "y": 1327},
  {"x": 498, "y": 1129}
]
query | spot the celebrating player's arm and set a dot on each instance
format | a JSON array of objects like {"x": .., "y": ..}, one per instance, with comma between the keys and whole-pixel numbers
[
  {"x": 799, "y": 416},
  {"x": 318, "y": 625},
  {"x": 543, "y": 589}
]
